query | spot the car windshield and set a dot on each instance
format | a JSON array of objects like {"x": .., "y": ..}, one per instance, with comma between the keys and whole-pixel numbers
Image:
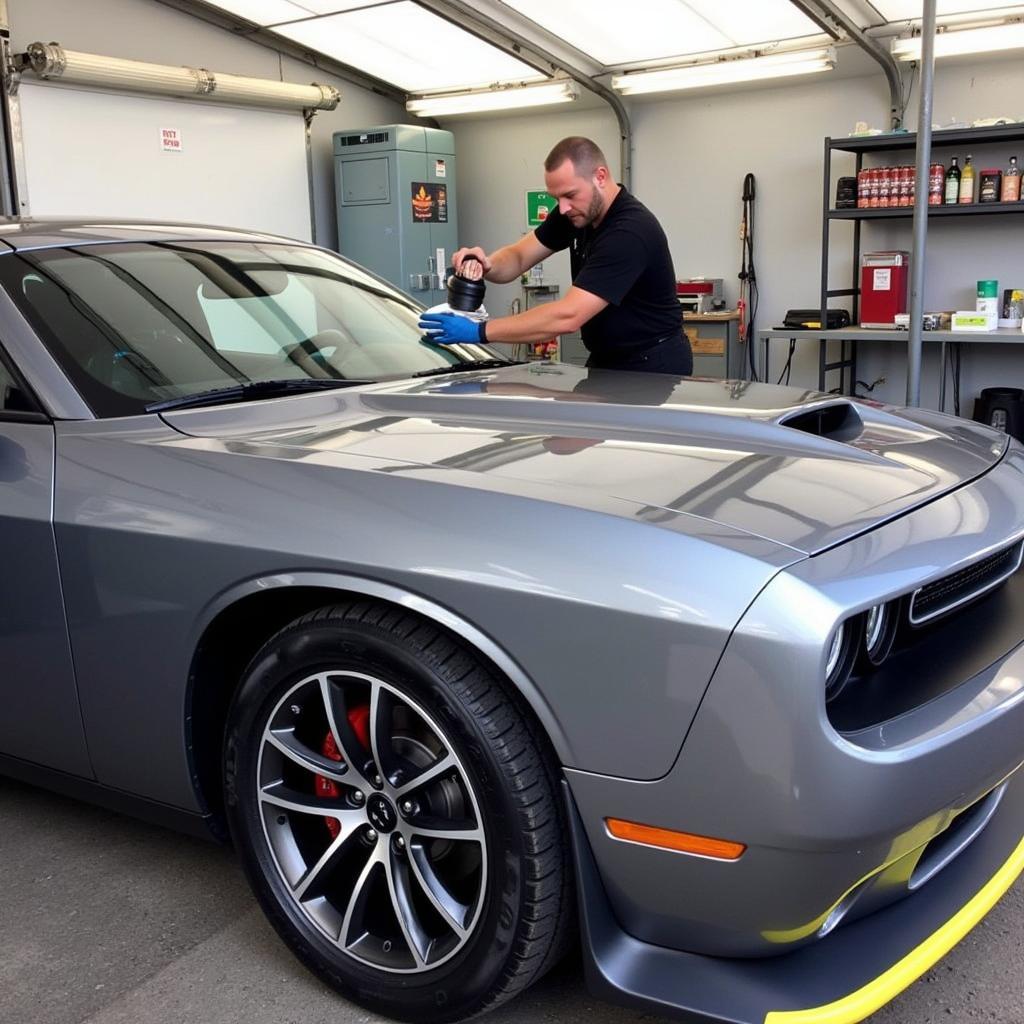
[{"x": 139, "y": 324}]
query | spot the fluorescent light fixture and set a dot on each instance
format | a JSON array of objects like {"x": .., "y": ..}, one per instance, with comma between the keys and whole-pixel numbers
[
  {"x": 511, "y": 98},
  {"x": 723, "y": 72},
  {"x": 970, "y": 40},
  {"x": 50, "y": 61}
]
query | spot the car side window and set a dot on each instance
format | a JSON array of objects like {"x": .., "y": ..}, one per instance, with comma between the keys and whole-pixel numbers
[{"x": 13, "y": 397}]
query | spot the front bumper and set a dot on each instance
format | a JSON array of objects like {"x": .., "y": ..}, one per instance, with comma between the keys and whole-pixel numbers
[
  {"x": 836, "y": 824},
  {"x": 838, "y": 980}
]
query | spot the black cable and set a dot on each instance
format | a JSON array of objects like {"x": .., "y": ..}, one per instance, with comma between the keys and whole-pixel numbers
[
  {"x": 956, "y": 380},
  {"x": 905, "y": 98},
  {"x": 748, "y": 275},
  {"x": 788, "y": 368}
]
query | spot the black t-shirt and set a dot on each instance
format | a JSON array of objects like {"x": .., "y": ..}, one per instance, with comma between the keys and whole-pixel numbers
[{"x": 626, "y": 262}]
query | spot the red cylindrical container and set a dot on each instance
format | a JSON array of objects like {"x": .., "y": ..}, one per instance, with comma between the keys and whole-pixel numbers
[
  {"x": 906, "y": 184},
  {"x": 884, "y": 187},
  {"x": 936, "y": 184},
  {"x": 863, "y": 177},
  {"x": 873, "y": 182}
]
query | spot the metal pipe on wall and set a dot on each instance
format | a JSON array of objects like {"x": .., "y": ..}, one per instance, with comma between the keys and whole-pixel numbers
[
  {"x": 829, "y": 17},
  {"x": 920, "y": 229}
]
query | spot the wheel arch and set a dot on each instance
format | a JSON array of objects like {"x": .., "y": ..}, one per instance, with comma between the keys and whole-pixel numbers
[{"x": 237, "y": 624}]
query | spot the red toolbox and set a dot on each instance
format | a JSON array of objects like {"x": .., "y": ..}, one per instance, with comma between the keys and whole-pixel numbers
[{"x": 883, "y": 287}]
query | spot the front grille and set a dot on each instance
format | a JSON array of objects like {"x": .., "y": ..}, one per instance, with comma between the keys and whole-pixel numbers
[
  {"x": 364, "y": 140},
  {"x": 950, "y": 592}
]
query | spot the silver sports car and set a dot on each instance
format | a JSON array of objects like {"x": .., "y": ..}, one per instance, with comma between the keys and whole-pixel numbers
[{"x": 468, "y": 657}]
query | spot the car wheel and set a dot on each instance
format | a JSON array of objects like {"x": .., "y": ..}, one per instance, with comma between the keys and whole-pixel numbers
[{"x": 396, "y": 815}]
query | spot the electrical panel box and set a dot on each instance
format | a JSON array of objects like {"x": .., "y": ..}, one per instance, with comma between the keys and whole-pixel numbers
[{"x": 396, "y": 206}]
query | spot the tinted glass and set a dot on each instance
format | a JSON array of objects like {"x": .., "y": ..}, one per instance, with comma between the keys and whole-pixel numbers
[
  {"x": 136, "y": 323},
  {"x": 13, "y": 397}
]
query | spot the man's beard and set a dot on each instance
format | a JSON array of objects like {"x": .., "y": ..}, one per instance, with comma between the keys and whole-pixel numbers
[{"x": 594, "y": 209}]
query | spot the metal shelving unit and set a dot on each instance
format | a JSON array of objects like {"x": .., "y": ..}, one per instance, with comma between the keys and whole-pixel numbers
[
  {"x": 907, "y": 212},
  {"x": 887, "y": 143}
]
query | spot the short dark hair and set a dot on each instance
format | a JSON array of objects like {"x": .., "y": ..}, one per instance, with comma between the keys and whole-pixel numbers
[{"x": 585, "y": 154}]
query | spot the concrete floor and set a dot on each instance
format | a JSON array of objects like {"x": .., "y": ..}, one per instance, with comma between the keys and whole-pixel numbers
[{"x": 107, "y": 920}]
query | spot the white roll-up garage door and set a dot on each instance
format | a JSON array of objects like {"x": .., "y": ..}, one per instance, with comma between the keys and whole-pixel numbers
[{"x": 96, "y": 153}]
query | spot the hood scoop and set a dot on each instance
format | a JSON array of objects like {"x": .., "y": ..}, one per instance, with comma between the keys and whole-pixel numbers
[{"x": 839, "y": 421}]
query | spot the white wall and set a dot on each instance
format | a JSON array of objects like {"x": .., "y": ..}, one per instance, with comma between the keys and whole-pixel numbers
[
  {"x": 690, "y": 157},
  {"x": 149, "y": 31}
]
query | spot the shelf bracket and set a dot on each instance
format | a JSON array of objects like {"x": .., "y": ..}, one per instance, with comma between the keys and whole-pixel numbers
[{"x": 829, "y": 18}]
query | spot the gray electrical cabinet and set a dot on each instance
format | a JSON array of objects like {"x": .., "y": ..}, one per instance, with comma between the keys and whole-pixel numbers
[{"x": 395, "y": 194}]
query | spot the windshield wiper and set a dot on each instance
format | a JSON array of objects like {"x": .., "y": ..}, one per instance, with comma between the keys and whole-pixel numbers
[
  {"x": 252, "y": 389},
  {"x": 480, "y": 364}
]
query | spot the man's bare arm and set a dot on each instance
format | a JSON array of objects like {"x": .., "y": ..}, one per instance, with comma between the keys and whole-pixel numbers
[
  {"x": 548, "y": 319},
  {"x": 509, "y": 262}
]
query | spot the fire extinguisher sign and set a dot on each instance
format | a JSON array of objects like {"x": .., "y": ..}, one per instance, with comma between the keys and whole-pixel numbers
[{"x": 538, "y": 206}]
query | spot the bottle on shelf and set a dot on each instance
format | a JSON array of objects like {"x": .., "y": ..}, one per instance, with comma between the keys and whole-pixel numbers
[
  {"x": 953, "y": 183},
  {"x": 935, "y": 184},
  {"x": 967, "y": 181},
  {"x": 1011, "y": 183}
]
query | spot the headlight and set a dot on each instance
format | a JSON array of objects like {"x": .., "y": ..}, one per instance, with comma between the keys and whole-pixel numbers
[
  {"x": 880, "y": 624},
  {"x": 842, "y": 652}
]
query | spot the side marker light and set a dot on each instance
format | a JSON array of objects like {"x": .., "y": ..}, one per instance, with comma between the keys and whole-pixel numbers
[{"x": 668, "y": 839}]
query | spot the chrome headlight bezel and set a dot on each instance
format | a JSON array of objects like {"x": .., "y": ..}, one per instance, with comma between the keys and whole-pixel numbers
[
  {"x": 880, "y": 624},
  {"x": 840, "y": 657}
]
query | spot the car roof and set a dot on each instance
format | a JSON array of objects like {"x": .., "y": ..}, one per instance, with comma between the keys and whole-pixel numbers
[{"x": 23, "y": 234}]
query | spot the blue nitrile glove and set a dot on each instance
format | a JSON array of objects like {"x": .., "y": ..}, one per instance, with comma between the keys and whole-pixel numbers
[{"x": 450, "y": 329}]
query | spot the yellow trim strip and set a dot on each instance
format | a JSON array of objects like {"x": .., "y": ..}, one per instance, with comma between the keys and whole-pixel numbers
[{"x": 875, "y": 994}]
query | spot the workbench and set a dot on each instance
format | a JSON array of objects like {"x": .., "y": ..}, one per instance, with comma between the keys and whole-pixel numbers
[{"x": 849, "y": 336}]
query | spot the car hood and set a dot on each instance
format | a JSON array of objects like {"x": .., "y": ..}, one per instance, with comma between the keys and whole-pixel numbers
[{"x": 796, "y": 467}]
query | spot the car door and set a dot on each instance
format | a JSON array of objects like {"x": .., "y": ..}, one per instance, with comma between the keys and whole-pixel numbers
[{"x": 40, "y": 720}]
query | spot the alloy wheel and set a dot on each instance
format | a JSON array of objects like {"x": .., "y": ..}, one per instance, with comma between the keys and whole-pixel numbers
[{"x": 372, "y": 821}]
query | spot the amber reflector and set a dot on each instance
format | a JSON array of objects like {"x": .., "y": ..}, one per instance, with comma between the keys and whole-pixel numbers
[{"x": 667, "y": 839}]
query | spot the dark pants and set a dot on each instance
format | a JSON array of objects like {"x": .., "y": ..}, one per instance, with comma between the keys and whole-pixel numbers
[{"x": 669, "y": 355}]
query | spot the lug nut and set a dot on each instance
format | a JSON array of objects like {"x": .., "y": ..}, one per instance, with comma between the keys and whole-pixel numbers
[
  {"x": 371, "y": 834},
  {"x": 399, "y": 842},
  {"x": 358, "y": 797},
  {"x": 378, "y": 781},
  {"x": 407, "y": 807}
]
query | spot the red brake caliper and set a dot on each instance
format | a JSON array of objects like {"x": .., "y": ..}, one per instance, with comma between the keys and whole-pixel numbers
[{"x": 359, "y": 719}]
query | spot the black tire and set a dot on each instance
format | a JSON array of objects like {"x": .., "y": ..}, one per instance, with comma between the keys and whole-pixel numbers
[{"x": 519, "y": 921}]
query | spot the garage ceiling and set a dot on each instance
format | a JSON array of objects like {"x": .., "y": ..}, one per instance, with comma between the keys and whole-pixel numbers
[{"x": 403, "y": 43}]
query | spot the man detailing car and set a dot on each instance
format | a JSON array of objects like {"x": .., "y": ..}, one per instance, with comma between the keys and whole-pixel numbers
[{"x": 622, "y": 299}]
